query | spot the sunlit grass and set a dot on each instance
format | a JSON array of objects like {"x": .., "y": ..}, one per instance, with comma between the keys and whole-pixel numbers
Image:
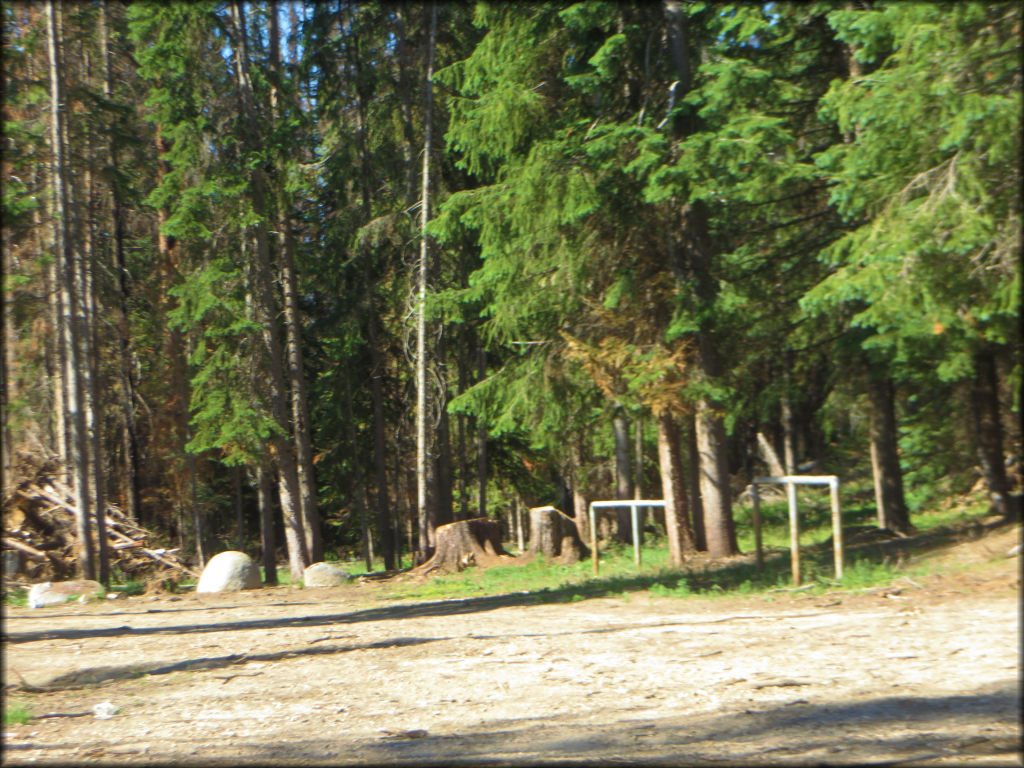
[
  {"x": 16, "y": 713},
  {"x": 619, "y": 576}
]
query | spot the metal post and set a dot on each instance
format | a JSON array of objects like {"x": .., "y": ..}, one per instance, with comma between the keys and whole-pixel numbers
[
  {"x": 794, "y": 534},
  {"x": 757, "y": 525},
  {"x": 635, "y": 516},
  {"x": 837, "y": 528}
]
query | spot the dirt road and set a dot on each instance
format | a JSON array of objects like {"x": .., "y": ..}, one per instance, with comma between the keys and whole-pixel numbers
[{"x": 926, "y": 673}]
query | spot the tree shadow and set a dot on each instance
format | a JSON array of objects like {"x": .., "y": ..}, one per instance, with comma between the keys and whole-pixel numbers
[
  {"x": 879, "y": 731},
  {"x": 97, "y": 675}
]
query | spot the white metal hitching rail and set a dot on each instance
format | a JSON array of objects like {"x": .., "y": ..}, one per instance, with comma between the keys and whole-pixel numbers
[
  {"x": 634, "y": 506},
  {"x": 791, "y": 481}
]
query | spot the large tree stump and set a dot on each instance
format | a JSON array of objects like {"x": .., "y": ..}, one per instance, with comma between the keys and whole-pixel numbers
[
  {"x": 554, "y": 535},
  {"x": 463, "y": 543}
]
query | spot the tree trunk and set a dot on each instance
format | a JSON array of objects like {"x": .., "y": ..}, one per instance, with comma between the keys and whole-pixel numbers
[
  {"x": 93, "y": 401},
  {"x": 129, "y": 439},
  {"x": 885, "y": 458},
  {"x": 70, "y": 299},
  {"x": 677, "y": 515},
  {"x": 481, "y": 443},
  {"x": 444, "y": 500},
  {"x": 300, "y": 425},
  {"x": 623, "y": 480},
  {"x": 714, "y": 482},
  {"x": 638, "y": 457},
  {"x": 693, "y": 485},
  {"x": 267, "y": 537},
  {"x": 422, "y": 448},
  {"x": 266, "y": 314},
  {"x": 383, "y": 512},
  {"x": 989, "y": 433},
  {"x": 236, "y": 503},
  {"x": 696, "y": 247}
]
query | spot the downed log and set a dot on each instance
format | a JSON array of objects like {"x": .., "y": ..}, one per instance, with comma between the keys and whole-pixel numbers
[
  {"x": 32, "y": 552},
  {"x": 463, "y": 543}
]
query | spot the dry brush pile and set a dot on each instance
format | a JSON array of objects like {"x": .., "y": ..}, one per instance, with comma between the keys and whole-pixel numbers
[{"x": 40, "y": 537}]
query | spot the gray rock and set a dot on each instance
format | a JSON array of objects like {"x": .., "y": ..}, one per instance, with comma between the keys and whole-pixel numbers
[
  {"x": 51, "y": 593},
  {"x": 325, "y": 575},
  {"x": 229, "y": 572}
]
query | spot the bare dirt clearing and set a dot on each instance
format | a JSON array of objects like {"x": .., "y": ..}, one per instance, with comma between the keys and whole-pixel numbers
[{"x": 925, "y": 672}]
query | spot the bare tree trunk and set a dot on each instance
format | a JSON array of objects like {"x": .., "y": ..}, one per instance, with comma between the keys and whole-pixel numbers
[
  {"x": 677, "y": 515},
  {"x": 638, "y": 457},
  {"x": 267, "y": 538},
  {"x": 771, "y": 458},
  {"x": 422, "y": 449},
  {"x": 885, "y": 457},
  {"x": 693, "y": 485},
  {"x": 70, "y": 300},
  {"x": 236, "y": 503},
  {"x": 697, "y": 249},
  {"x": 481, "y": 443},
  {"x": 293, "y": 335},
  {"x": 266, "y": 312},
  {"x": 93, "y": 402},
  {"x": 989, "y": 432},
  {"x": 129, "y": 430},
  {"x": 714, "y": 482},
  {"x": 580, "y": 504},
  {"x": 383, "y": 512},
  {"x": 623, "y": 480}
]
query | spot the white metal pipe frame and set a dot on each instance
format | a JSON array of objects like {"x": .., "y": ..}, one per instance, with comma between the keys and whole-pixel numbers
[
  {"x": 790, "y": 481},
  {"x": 634, "y": 506}
]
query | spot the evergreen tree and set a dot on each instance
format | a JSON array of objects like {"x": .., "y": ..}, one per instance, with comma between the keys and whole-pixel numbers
[{"x": 929, "y": 180}]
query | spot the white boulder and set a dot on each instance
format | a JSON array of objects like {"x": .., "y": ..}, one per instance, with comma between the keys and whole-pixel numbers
[
  {"x": 229, "y": 572},
  {"x": 324, "y": 575}
]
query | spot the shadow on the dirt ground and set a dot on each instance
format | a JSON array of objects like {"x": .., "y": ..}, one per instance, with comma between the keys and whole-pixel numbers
[
  {"x": 96, "y": 675},
  {"x": 880, "y": 730}
]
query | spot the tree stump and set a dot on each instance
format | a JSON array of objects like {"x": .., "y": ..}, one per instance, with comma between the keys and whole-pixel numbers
[
  {"x": 463, "y": 543},
  {"x": 554, "y": 535}
]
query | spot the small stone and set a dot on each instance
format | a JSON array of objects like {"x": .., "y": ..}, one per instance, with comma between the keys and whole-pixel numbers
[{"x": 325, "y": 575}]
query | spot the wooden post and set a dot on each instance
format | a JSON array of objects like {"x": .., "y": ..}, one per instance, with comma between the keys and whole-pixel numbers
[
  {"x": 593, "y": 539},
  {"x": 756, "y": 499}
]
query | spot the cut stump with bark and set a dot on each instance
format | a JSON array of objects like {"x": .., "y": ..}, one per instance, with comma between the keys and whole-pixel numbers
[
  {"x": 464, "y": 543},
  {"x": 555, "y": 535}
]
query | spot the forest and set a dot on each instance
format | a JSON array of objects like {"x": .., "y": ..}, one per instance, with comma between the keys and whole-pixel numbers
[{"x": 301, "y": 278}]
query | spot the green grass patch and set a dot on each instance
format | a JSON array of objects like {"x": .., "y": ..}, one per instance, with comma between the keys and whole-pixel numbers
[
  {"x": 865, "y": 567},
  {"x": 16, "y": 596},
  {"x": 16, "y": 714}
]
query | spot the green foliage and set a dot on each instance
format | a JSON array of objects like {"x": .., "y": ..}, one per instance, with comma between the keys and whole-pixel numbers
[{"x": 928, "y": 175}]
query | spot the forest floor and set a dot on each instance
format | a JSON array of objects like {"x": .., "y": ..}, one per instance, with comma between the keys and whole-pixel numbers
[{"x": 922, "y": 672}]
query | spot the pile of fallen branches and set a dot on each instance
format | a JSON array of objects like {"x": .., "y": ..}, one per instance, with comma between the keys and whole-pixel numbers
[{"x": 40, "y": 537}]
